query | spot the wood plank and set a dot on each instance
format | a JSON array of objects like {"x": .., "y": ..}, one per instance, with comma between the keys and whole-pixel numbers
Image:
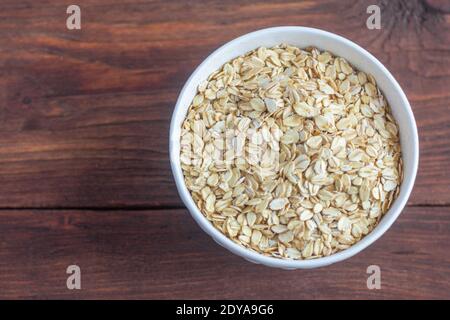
[
  {"x": 164, "y": 254},
  {"x": 84, "y": 115}
]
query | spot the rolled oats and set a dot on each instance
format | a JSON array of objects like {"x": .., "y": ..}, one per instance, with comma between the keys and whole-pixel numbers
[{"x": 291, "y": 152}]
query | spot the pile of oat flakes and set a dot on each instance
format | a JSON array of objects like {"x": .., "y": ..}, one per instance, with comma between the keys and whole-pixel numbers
[{"x": 292, "y": 153}]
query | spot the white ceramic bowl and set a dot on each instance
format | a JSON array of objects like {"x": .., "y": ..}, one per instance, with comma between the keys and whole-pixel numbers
[{"x": 301, "y": 37}]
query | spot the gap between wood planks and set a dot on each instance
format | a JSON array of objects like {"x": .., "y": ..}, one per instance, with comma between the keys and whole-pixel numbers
[{"x": 150, "y": 208}]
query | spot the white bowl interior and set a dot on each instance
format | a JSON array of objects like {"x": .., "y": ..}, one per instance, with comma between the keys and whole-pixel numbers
[{"x": 301, "y": 37}]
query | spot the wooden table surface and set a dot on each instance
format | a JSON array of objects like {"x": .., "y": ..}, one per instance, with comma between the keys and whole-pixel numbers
[{"x": 84, "y": 169}]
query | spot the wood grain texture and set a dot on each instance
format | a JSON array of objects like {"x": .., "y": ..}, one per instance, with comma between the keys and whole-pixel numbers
[
  {"x": 164, "y": 254},
  {"x": 84, "y": 115}
]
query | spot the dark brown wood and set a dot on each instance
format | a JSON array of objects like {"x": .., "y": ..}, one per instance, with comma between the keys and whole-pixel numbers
[
  {"x": 84, "y": 121},
  {"x": 164, "y": 254},
  {"x": 84, "y": 115}
]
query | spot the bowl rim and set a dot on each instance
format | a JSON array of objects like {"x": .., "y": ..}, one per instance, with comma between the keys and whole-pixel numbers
[{"x": 250, "y": 254}]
